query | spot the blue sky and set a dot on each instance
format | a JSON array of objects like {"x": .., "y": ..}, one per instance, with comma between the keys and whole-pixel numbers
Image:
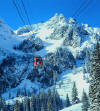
[{"x": 42, "y": 10}]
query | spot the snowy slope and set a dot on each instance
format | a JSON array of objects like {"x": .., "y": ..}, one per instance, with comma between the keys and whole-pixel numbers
[
  {"x": 25, "y": 84},
  {"x": 68, "y": 79},
  {"x": 44, "y": 31},
  {"x": 53, "y": 34},
  {"x": 7, "y": 37},
  {"x": 50, "y": 46},
  {"x": 76, "y": 107},
  {"x": 66, "y": 88}
]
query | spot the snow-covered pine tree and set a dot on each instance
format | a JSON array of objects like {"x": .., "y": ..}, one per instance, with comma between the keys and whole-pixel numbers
[
  {"x": 54, "y": 104},
  {"x": 2, "y": 109},
  {"x": 42, "y": 98},
  {"x": 58, "y": 101},
  {"x": 67, "y": 102},
  {"x": 75, "y": 98},
  {"x": 74, "y": 71},
  {"x": 26, "y": 104},
  {"x": 87, "y": 61},
  {"x": 49, "y": 105},
  {"x": 87, "y": 66},
  {"x": 85, "y": 102},
  {"x": 21, "y": 106},
  {"x": 55, "y": 77},
  {"x": 94, "y": 90},
  {"x": 61, "y": 104},
  {"x": 32, "y": 103},
  {"x": 23, "y": 103},
  {"x": 38, "y": 103},
  {"x": 11, "y": 107},
  {"x": 49, "y": 93},
  {"x": 17, "y": 106},
  {"x": 43, "y": 108},
  {"x": 8, "y": 106},
  {"x": 84, "y": 72},
  {"x": 2, "y": 104},
  {"x": 49, "y": 96}
]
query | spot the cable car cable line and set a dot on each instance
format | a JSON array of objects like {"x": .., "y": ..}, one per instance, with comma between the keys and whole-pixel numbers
[
  {"x": 15, "y": 5},
  {"x": 18, "y": 8},
  {"x": 26, "y": 13},
  {"x": 81, "y": 5},
  {"x": 84, "y": 8},
  {"x": 84, "y": 5}
]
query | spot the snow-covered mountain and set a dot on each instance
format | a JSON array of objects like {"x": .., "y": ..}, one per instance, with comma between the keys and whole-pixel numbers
[
  {"x": 7, "y": 40},
  {"x": 61, "y": 42}
]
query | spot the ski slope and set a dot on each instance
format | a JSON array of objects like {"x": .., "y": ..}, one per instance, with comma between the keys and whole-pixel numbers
[
  {"x": 76, "y": 107},
  {"x": 67, "y": 78}
]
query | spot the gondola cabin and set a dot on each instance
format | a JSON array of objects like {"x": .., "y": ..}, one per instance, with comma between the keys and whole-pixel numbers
[{"x": 38, "y": 62}]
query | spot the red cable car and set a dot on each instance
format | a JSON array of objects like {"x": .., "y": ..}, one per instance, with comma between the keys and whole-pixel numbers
[{"x": 38, "y": 62}]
